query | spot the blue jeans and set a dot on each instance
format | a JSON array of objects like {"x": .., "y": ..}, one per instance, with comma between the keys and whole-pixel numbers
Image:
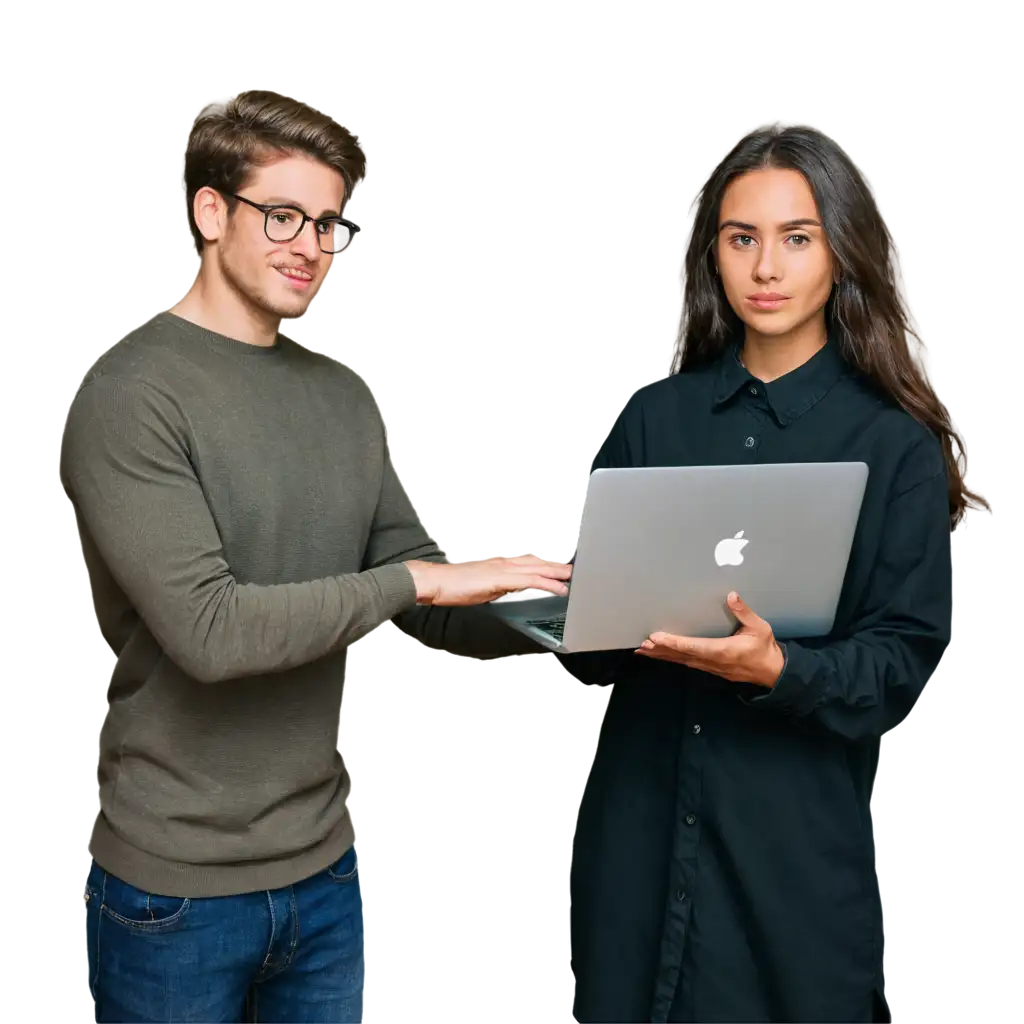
[{"x": 293, "y": 954}]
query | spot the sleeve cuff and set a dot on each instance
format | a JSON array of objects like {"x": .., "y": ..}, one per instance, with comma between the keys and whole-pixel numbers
[
  {"x": 397, "y": 588},
  {"x": 799, "y": 687},
  {"x": 595, "y": 668}
]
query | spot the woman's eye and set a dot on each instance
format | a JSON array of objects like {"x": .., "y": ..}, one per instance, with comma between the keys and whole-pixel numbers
[
  {"x": 799, "y": 240},
  {"x": 743, "y": 240}
]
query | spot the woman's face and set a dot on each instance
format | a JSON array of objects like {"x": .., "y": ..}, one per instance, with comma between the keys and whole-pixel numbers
[{"x": 772, "y": 255}]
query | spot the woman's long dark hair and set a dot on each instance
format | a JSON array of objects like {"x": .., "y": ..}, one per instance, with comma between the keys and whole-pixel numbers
[{"x": 865, "y": 308}]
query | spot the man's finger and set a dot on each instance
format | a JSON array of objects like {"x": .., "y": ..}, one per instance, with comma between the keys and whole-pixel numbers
[
  {"x": 554, "y": 557},
  {"x": 537, "y": 558},
  {"x": 543, "y": 583},
  {"x": 516, "y": 557},
  {"x": 558, "y": 570}
]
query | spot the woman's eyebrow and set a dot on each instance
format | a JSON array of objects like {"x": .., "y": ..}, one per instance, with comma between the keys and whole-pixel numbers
[{"x": 798, "y": 223}]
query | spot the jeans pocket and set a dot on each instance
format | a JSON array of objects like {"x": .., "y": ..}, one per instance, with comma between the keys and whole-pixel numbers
[
  {"x": 88, "y": 906},
  {"x": 346, "y": 868},
  {"x": 140, "y": 910}
]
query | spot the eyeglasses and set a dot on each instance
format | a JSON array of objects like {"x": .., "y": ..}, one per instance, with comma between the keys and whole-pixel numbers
[{"x": 285, "y": 223}]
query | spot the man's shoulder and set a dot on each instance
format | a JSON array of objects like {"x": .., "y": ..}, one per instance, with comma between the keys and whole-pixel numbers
[
  {"x": 133, "y": 357},
  {"x": 134, "y": 377},
  {"x": 324, "y": 368},
  {"x": 123, "y": 389}
]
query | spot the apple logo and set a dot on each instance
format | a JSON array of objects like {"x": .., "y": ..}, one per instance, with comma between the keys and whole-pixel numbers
[{"x": 730, "y": 550}]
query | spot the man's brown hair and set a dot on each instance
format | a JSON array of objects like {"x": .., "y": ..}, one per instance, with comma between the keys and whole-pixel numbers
[{"x": 229, "y": 139}]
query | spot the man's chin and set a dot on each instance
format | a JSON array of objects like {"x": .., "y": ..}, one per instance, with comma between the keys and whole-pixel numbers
[
  {"x": 291, "y": 313},
  {"x": 287, "y": 310}
]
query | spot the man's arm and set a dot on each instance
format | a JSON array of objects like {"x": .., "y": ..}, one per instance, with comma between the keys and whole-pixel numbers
[
  {"x": 398, "y": 536},
  {"x": 125, "y": 465}
]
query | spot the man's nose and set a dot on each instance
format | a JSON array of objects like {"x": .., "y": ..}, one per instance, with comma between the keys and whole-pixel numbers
[{"x": 307, "y": 242}]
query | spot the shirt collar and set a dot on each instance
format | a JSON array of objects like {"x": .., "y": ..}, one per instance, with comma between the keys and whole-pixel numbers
[{"x": 790, "y": 395}]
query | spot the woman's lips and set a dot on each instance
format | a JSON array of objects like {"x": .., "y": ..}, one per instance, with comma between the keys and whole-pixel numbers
[{"x": 768, "y": 301}]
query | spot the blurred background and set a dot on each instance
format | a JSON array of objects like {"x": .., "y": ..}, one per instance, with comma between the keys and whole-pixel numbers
[{"x": 514, "y": 282}]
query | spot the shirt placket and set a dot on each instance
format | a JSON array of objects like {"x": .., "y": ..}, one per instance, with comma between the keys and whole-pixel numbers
[
  {"x": 755, "y": 418},
  {"x": 685, "y": 851},
  {"x": 750, "y": 429}
]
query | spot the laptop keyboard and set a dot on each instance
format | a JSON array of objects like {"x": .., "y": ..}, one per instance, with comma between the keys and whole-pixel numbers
[{"x": 555, "y": 628}]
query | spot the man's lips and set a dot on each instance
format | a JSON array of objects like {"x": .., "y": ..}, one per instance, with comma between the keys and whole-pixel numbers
[{"x": 296, "y": 275}]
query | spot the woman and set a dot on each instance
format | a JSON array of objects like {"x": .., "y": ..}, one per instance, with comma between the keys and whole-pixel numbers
[{"x": 723, "y": 865}]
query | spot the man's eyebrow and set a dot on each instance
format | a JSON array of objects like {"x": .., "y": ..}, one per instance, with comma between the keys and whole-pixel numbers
[
  {"x": 799, "y": 222},
  {"x": 286, "y": 201}
]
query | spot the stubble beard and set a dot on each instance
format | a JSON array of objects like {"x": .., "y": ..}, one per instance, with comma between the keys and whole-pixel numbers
[{"x": 257, "y": 297}]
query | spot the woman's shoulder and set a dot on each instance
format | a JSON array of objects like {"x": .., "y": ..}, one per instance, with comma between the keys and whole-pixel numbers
[
  {"x": 912, "y": 447},
  {"x": 671, "y": 389}
]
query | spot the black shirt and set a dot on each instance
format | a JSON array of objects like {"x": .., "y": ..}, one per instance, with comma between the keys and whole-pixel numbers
[{"x": 723, "y": 864}]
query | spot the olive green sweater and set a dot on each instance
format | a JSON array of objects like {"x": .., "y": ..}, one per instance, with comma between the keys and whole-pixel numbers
[{"x": 241, "y": 524}]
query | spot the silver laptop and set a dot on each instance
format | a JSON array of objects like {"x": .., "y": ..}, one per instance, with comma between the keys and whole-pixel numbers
[{"x": 661, "y": 548}]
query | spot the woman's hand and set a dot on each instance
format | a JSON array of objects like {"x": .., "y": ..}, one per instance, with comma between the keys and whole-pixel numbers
[{"x": 750, "y": 655}]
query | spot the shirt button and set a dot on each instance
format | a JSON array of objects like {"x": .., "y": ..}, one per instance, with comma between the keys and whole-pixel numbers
[
  {"x": 691, "y": 819},
  {"x": 680, "y": 895},
  {"x": 696, "y": 730},
  {"x": 750, "y": 442}
]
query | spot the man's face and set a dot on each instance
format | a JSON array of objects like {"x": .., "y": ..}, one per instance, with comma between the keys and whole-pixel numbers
[
  {"x": 280, "y": 278},
  {"x": 772, "y": 253}
]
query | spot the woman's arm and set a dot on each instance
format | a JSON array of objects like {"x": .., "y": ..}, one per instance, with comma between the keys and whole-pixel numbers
[{"x": 865, "y": 684}]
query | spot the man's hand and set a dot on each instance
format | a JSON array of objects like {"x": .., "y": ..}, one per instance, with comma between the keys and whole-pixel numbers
[
  {"x": 750, "y": 655},
  {"x": 466, "y": 583}
]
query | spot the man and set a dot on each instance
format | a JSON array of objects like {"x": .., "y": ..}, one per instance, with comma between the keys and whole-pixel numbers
[{"x": 242, "y": 525}]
